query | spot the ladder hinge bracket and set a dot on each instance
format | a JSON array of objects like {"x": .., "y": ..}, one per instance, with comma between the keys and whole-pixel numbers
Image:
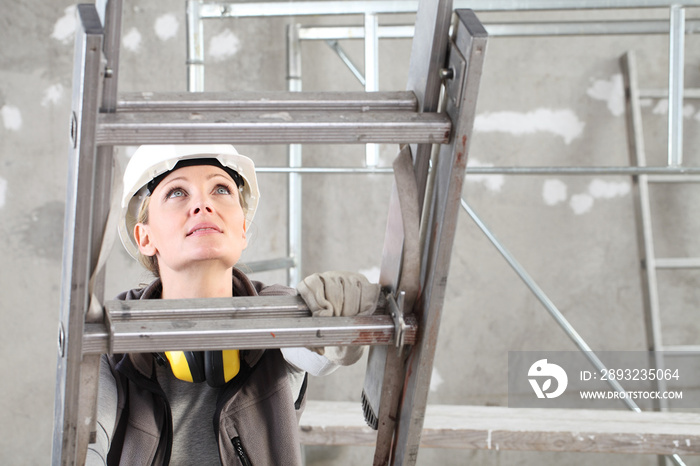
[
  {"x": 454, "y": 75},
  {"x": 396, "y": 310}
]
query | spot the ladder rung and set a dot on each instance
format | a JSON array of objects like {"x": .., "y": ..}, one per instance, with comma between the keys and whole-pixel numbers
[
  {"x": 678, "y": 262},
  {"x": 267, "y": 101},
  {"x": 271, "y": 128},
  {"x": 270, "y": 322},
  {"x": 674, "y": 178}
]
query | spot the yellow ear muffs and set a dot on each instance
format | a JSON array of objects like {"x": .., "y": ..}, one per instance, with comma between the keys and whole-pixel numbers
[
  {"x": 187, "y": 365},
  {"x": 221, "y": 366},
  {"x": 214, "y": 367}
]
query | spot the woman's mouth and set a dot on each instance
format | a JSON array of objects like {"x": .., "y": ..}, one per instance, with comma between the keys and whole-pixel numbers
[{"x": 203, "y": 229}]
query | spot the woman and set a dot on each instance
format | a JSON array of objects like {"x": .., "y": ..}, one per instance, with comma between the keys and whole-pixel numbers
[{"x": 185, "y": 213}]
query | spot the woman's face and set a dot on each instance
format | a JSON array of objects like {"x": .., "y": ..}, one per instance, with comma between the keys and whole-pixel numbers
[{"x": 195, "y": 217}]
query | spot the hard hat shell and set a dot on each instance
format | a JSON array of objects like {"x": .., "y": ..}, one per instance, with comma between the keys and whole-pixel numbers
[{"x": 150, "y": 161}]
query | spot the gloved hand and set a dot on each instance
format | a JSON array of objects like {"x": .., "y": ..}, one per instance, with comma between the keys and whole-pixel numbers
[{"x": 339, "y": 294}]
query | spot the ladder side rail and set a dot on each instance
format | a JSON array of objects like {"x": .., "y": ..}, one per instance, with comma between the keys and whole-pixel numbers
[
  {"x": 387, "y": 364},
  {"x": 424, "y": 77},
  {"x": 645, "y": 241},
  {"x": 110, "y": 13},
  {"x": 467, "y": 54},
  {"x": 70, "y": 431}
]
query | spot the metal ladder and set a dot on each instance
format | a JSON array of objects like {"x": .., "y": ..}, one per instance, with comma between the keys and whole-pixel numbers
[
  {"x": 650, "y": 263},
  {"x": 102, "y": 119}
]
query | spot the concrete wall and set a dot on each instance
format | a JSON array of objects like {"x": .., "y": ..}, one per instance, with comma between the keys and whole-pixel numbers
[{"x": 544, "y": 101}]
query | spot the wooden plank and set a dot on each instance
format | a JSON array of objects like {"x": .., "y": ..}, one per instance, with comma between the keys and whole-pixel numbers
[{"x": 523, "y": 429}]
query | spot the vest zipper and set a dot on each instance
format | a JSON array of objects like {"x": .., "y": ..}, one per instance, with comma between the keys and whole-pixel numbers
[{"x": 238, "y": 447}]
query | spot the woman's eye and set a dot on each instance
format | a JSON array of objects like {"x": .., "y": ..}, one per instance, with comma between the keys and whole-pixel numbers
[
  {"x": 222, "y": 190},
  {"x": 177, "y": 192}
]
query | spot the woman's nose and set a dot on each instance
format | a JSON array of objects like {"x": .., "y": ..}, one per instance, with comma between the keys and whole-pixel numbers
[
  {"x": 201, "y": 208},
  {"x": 201, "y": 205}
]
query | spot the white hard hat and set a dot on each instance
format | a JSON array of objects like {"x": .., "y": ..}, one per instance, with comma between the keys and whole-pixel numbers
[{"x": 150, "y": 161}]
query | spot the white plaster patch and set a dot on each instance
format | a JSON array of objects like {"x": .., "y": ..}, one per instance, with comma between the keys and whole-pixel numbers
[
  {"x": 612, "y": 92},
  {"x": 132, "y": 40},
  {"x": 601, "y": 189},
  {"x": 688, "y": 110},
  {"x": 166, "y": 26},
  {"x": 52, "y": 94},
  {"x": 492, "y": 182},
  {"x": 581, "y": 203},
  {"x": 372, "y": 274},
  {"x": 554, "y": 192},
  {"x": 64, "y": 29},
  {"x": 224, "y": 45},
  {"x": 11, "y": 117},
  {"x": 3, "y": 191},
  {"x": 661, "y": 107},
  {"x": 435, "y": 380},
  {"x": 563, "y": 123}
]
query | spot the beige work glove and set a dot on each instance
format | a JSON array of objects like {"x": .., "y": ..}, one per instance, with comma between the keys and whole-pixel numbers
[{"x": 339, "y": 294}]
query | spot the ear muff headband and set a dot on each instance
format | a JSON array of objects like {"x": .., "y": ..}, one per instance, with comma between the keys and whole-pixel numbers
[{"x": 215, "y": 367}]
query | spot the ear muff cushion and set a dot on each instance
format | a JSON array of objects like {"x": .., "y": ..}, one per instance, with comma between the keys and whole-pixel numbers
[
  {"x": 221, "y": 366},
  {"x": 187, "y": 365}
]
